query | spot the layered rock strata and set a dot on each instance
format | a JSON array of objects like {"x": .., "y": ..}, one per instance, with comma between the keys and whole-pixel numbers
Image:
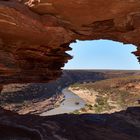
[
  {"x": 34, "y": 38},
  {"x": 34, "y": 34}
]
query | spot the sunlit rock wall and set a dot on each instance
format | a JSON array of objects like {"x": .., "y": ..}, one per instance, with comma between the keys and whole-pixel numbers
[{"x": 34, "y": 34}]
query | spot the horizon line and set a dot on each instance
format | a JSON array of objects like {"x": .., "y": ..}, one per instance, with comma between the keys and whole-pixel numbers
[{"x": 105, "y": 69}]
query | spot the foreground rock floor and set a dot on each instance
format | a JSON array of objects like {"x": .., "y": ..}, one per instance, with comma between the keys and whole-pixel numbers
[
  {"x": 35, "y": 34},
  {"x": 124, "y": 125}
]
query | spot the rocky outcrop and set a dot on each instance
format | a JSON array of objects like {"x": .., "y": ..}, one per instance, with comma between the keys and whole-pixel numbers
[
  {"x": 34, "y": 34},
  {"x": 34, "y": 38},
  {"x": 124, "y": 125}
]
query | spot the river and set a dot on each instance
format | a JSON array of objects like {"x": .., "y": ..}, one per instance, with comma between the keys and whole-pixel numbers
[{"x": 71, "y": 103}]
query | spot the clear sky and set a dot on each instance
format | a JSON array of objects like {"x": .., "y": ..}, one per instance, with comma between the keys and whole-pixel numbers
[{"x": 102, "y": 54}]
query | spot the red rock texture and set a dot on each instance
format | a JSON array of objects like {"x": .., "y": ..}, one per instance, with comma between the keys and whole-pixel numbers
[
  {"x": 124, "y": 125},
  {"x": 34, "y": 34}
]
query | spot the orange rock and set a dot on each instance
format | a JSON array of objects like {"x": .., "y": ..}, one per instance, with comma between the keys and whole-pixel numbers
[{"x": 34, "y": 34}]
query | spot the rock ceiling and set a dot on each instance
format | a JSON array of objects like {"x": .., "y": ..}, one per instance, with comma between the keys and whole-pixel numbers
[{"x": 34, "y": 34}]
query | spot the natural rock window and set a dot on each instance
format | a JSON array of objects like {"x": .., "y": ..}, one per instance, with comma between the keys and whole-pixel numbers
[{"x": 102, "y": 54}]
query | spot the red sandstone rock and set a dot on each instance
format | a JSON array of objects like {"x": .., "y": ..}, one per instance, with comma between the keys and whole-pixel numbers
[
  {"x": 35, "y": 35},
  {"x": 118, "y": 126}
]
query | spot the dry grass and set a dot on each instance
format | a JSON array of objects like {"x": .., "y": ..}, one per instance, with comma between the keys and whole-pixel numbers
[{"x": 113, "y": 94}]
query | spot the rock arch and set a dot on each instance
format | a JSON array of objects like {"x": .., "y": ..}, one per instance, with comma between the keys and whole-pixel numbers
[{"x": 33, "y": 40}]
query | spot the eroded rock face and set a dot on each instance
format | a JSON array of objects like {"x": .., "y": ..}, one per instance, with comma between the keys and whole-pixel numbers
[
  {"x": 34, "y": 34},
  {"x": 124, "y": 125}
]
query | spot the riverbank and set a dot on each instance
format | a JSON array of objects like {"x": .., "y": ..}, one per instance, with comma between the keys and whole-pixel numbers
[
  {"x": 29, "y": 98},
  {"x": 108, "y": 96},
  {"x": 36, "y": 98},
  {"x": 71, "y": 103}
]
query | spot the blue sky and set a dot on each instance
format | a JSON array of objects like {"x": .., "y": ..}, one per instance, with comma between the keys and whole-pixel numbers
[{"x": 102, "y": 54}]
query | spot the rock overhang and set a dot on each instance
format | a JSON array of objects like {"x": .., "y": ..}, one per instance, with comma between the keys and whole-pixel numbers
[{"x": 34, "y": 37}]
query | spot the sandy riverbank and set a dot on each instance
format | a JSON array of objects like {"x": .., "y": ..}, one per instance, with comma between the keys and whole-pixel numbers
[{"x": 108, "y": 96}]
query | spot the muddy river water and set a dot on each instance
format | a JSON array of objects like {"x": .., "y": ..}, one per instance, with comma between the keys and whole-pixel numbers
[{"x": 71, "y": 103}]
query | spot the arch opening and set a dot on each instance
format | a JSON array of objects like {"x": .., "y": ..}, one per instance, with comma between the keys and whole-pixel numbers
[
  {"x": 118, "y": 89},
  {"x": 102, "y": 54}
]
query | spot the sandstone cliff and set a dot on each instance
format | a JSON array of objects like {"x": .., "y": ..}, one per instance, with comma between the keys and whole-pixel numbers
[{"x": 34, "y": 34}]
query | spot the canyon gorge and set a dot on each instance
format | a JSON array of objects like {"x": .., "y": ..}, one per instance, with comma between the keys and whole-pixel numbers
[{"x": 34, "y": 38}]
